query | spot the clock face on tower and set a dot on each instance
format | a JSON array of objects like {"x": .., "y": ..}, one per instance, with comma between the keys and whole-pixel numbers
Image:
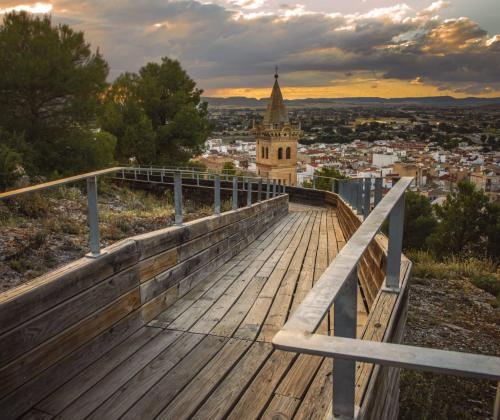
[{"x": 276, "y": 141}]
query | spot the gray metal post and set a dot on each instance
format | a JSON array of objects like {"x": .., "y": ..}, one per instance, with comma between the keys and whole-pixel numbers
[
  {"x": 178, "y": 197},
  {"x": 235, "y": 193},
  {"x": 378, "y": 191},
  {"x": 217, "y": 194},
  {"x": 259, "y": 191},
  {"x": 198, "y": 179},
  {"x": 333, "y": 185},
  {"x": 352, "y": 199},
  {"x": 93, "y": 216},
  {"x": 367, "y": 197},
  {"x": 268, "y": 189},
  {"x": 359, "y": 196},
  {"x": 274, "y": 188},
  {"x": 249, "y": 193},
  {"x": 344, "y": 325},
  {"x": 396, "y": 224},
  {"x": 314, "y": 182}
]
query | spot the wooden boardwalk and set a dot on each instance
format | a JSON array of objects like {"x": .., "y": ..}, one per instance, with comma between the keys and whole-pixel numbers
[{"x": 209, "y": 355}]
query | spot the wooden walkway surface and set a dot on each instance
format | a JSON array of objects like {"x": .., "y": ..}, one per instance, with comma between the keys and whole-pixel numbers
[{"x": 209, "y": 355}]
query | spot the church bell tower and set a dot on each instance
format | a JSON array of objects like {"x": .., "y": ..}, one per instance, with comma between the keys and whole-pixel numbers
[{"x": 276, "y": 141}]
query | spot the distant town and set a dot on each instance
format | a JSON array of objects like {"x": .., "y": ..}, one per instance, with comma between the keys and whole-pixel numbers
[{"x": 439, "y": 146}]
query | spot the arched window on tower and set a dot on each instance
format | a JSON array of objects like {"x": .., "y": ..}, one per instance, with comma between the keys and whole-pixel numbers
[
  {"x": 267, "y": 152},
  {"x": 262, "y": 152},
  {"x": 280, "y": 153},
  {"x": 288, "y": 153}
]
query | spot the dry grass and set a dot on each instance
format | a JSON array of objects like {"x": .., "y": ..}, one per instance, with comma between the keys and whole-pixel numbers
[{"x": 484, "y": 273}]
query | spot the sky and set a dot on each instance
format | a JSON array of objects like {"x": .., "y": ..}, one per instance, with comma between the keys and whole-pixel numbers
[{"x": 323, "y": 48}]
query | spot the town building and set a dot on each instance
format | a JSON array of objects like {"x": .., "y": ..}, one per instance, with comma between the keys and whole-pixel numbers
[{"x": 276, "y": 141}]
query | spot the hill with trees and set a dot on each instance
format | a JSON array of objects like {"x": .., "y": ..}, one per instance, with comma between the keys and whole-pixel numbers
[{"x": 59, "y": 116}]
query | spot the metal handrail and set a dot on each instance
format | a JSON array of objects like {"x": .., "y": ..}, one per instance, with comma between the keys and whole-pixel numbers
[
  {"x": 338, "y": 287},
  {"x": 272, "y": 189}
]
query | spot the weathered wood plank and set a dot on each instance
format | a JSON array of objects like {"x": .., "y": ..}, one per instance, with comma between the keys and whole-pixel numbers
[
  {"x": 194, "y": 394},
  {"x": 57, "y": 319},
  {"x": 95, "y": 396},
  {"x": 165, "y": 390},
  {"x": 319, "y": 395},
  {"x": 126, "y": 396},
  {"x": 37, "y": 388},
  {"x": 156, "y": 264},
  {"x": 61, "y": 398},
  {"x": 37, "y": 360},
  {"x": 38, "y": 295},
  {"x": 229, "y": 391},
  {"x": 253, "y": 402}
]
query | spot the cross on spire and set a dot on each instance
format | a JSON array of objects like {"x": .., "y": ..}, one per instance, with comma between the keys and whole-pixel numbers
[{"x": 276, "y": 72}]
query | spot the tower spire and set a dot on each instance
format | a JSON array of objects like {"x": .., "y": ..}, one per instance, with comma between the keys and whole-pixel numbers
[{"x": 276, "y": 112}]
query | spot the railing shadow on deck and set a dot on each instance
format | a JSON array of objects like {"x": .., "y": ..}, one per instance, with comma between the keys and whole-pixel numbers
[{"x": 337, "y": 287}]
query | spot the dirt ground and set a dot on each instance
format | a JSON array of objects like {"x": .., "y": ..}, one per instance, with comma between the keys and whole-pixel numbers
[{"x": 451, "y": 315}]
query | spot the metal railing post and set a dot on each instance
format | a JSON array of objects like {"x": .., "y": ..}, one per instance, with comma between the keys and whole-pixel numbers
[
  {"x": 359, "y": 196},
  {"x": 314, "y": 182},
  {"x": 217, "y": 194},
  {"x": 341, "y": 188},
  {"x": 344, "y": 325},
  {"x": 333, "y": 185},
  {"x": 249, "y": 192},
  {"x": 367, "y": 197},
  {"x": 274, "y": 188},
  {"x": 235, "y": 193},
  {"x": 93, "y": 216},
  {"x": 259, "y": 191},
  {"x": 197, "y": 179},
  {"x": 378, "y": 191},
  {"x": 352, "y": 192},
  {"x": 178, "y": 197},
  {"x": 268, "y": 189},
  {"x": 396, "y": 225}
]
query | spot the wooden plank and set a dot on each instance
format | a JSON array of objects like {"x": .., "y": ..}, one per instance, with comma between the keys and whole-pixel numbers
[
  {"x": 95, "y": 396},
  {"x": 57, "y": 319},
  {"x": 233, "y": 318},
  {"x": 40, "y": 358},
  {"x": 156, "y": 264},
  {"x": 293, "y": 387},
  {"x": 198, "y": 390},
  {"x": 61, "y": 398},
  {"x": 35, "y": 414},
  {"x": 254, "y": 401},
  {"x": 165, "y": 390},
  {"x": 319, "y": 395},
  {"x": 243, "y": 273},
  {"x": 25, "y": 397},
  {"x": 160, "y": 303},
  {"x": 251, "y": 325},
  {"x": 229, "y": 391},
  {"x": 42, "y": 293},
  {"x": 278, "y": 313},
  {"x": 126, "y": 396}
]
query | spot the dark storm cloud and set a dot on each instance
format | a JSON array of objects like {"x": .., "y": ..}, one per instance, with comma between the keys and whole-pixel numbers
[{"x": 222, "y": 47}]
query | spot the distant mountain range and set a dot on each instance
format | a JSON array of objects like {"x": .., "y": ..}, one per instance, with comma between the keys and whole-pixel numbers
[{"x": 244, "y": 102}]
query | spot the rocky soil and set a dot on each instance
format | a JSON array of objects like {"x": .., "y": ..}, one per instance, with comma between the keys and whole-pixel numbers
[
  {"x": 452, "y": 315},
  {"x": 41, "y": 232}
]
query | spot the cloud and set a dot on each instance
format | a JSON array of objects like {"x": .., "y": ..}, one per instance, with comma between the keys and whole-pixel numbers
[
  {"x": 239, "y": 43},
  {"x": 32, "y": 8}
]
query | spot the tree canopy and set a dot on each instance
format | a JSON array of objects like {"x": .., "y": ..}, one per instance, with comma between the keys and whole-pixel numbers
[
  {"x": 157, "y": 115},
  {"x": 469, "y": 224},
  {"x": 324, "y": 178},
  {"x": 59, "y": 116},
  {"x": 50, "y": 83}
]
